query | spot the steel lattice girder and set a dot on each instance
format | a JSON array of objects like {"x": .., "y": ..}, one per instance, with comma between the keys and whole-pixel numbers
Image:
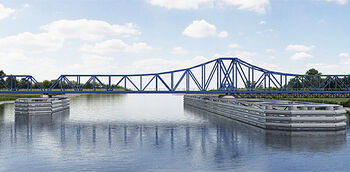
[{"x": 222, "y": 75}]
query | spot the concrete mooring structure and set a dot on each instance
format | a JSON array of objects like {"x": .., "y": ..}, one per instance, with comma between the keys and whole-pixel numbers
[
  {"x": 44, "y": 105},
  {"x": 274, "y": 114}
]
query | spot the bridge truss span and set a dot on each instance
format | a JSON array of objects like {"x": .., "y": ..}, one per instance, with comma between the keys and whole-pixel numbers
[{"x": 222, "y": 75}]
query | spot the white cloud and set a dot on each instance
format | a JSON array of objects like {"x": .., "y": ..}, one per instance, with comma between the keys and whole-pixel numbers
[
  {"x": 345, "y": 61},
  {"x": 5, "y": 12},
  {"x": 88, "y": 29},
  {"x": 262, "y": 22},
  {"x": 115, "y": 46},
  {"x": 179, "y": 4},
  {"x": 340, "y": 2},
  {"x": 17, "y": 63},
  {"x": 343, "y": 55},
  {"x": 299, "y": 48},
  {"x": 322, "y": 21},
  {"x": 265, "y": 31},
  {"x": 83, "y": 29},
  {"x": 244, "y": 54},
  {"x": 30, "y": 43},
  {"x": 234, "y": 46},
  {"x": 179, "y": 50},
  {"x": 301, "y": 56},
  {"x": 95, "y": 64},
  {"x": 258, "y": 6},
  {"x": 329, "y": 68},
  {"x": 95, "y": 60},
  {"x": 151, "y": 65},
  {"x": 270, "y": 50},
  {"x": 222, "y": 34},
  {"x": 202, "y": 29},
  {"x": 25, "y": 5}
]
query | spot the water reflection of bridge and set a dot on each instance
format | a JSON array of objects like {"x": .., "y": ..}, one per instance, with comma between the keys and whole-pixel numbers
[{"x": 215, "y": 137}]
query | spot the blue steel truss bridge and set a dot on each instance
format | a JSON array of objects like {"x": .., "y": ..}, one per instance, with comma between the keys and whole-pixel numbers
[{"x": 222, "y": 75}]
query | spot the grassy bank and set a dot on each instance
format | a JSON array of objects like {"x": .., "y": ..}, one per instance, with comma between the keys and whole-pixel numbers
[
  {"x": 341, "y": 101},
  {"x": 12, "y": 97}
]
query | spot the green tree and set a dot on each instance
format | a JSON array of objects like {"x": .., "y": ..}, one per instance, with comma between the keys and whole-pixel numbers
[
  {"x": 314, "y": 80},
  {"x": 313, "y": 71},
  {"x": 2, "y": 73}
]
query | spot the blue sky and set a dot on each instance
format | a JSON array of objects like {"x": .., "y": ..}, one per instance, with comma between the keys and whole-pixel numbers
[{"x": 49, "y": 38}]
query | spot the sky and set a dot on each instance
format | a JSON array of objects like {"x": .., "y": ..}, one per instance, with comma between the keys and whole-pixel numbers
[{"x": 49, "y": 38}]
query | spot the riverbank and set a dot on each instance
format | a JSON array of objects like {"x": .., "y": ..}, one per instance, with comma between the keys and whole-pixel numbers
[
  {"x": 10, "y": 98},
  {"x": 5, "y": 102},
  {"x": 341, "y": 101}
]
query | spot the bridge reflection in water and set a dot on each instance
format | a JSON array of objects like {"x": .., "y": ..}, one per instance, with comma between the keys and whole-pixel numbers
[{"x": 219, "y": 137}]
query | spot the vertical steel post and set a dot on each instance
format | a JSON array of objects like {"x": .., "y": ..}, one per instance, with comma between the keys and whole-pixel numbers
[
  {"x": 285, "y": 82},
  {"x": 203, "y": 77},
  {"x": 172, "y": 81},
  {"x": 302, "y": 83},
  {"x": 264, "y": 81},
  {"x": 64, "y": 83},
  {"x": 335, "y": 82},
  {"x": 93, "y": 83},
  {"x": 249, "y": 82},
  {"x": 187, "y": 80},
  {"x": 31, "y": 84},
  {"x": 220, "y": 79},
  {"x": 253, "y": 83},
  {"x": 233, "y": 74},
  {"x": 141, "y": 83},
  {"x": 125, "y": 83},
  {"x": 319, "y": 82},
  {"x": 11, "y": 83},
  {"x": 281, "y": 84},
  {"x": 61, "y": 84},
  {"x": 156, "y": 82},
  {"x": 297, "y": 83},
  {"x": 269, "y": 82},
  {"x": 217, "y": 76},
  {"x": 236, "y": 76},
  {"x": 78, "y": 82},
  {"x": 15, "y": 83},
  {"x": 109, "y": 83}
]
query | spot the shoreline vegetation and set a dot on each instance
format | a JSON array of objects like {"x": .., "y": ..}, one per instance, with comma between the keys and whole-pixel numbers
[
  {"x": 317, "y": 98},
  {"x": 328, "y": 98},
  {"x": 341, "y": 99}
]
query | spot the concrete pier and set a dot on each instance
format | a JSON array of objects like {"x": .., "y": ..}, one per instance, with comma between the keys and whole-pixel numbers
[
  {"x": 274, "y": 114},
  {"x": 41, "y": 105}
]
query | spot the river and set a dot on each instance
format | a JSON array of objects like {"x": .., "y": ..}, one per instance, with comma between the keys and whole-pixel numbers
[{"x": 157, "y": 133}]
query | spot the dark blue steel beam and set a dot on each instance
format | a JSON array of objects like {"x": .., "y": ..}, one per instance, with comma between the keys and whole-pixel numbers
[{"x": 226, "y": 75}]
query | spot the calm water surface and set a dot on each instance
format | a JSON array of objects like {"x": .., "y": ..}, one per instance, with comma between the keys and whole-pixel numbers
[{"x": 157, "y": 133}]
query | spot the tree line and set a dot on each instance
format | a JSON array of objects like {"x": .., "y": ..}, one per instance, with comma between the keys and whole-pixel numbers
[
  {"x": 311, "y": 81},
  {"x": 48, "y": 83},
  {"x": 292, "y": 84}
]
